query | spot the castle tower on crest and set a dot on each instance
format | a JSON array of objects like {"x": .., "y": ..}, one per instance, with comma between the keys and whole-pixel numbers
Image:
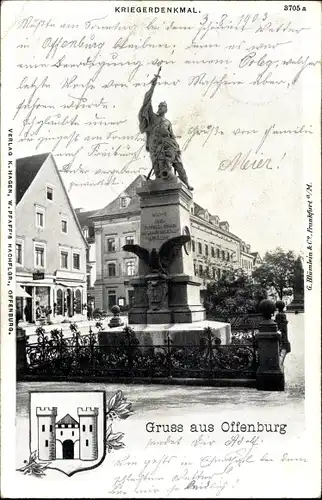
[
  {"x": 88, "y": 446},
  {"x": 46, "y": 432}
]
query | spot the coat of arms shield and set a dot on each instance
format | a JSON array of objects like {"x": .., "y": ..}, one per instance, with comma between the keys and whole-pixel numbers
[{"x": 67, "y": 429}]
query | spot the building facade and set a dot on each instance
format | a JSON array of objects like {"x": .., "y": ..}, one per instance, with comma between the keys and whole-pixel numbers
[
  {"x": 116, "y": 225},
  {"x": 215, "y": 247},
  {"x": 87, "y": 225},
  {"x": 50, "y": 246},
  {"x": 258, "y": 261}
]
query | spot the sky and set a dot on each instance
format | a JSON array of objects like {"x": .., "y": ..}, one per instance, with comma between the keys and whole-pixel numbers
[{"x": 238, "y": 100}]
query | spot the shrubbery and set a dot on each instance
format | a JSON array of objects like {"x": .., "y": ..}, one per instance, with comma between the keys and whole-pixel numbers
[{"x": 234, "y": 293}]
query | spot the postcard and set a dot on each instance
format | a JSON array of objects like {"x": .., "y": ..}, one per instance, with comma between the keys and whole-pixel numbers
[{"x": 160, "y": 239}]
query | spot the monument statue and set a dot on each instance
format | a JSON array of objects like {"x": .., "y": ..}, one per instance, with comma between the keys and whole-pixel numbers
[
  {"x": 297, "y": 304},
  {"x": 159, "y": 261},
  {"x": 298, "y": 280},
  {"x": 160, "y": 140}
]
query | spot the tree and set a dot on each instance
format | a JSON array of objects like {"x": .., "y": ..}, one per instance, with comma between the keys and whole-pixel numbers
[
  {"x": 277, "y": 271},
  {"x": 235, "y": 292}
]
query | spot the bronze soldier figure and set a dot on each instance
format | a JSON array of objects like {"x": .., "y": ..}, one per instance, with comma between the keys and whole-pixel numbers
[{"x": 160, "y": 140}]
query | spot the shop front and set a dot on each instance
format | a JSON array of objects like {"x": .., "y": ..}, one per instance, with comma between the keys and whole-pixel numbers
[
  {"x": 46, "y": 300},
  {"x": 34, "y": 298},
  {"x": 69, "y": 300}
]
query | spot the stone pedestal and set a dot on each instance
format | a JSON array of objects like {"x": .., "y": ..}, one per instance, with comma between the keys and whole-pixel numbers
[
  {"x": 165, "y": 213},
  {"x": 180, "y": 334},
  {"x": 270, "y": 373},
  {"x": 297, "y": 304}
]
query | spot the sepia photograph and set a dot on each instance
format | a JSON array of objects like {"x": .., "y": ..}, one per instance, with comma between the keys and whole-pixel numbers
[{"x": 161, "y": 249}]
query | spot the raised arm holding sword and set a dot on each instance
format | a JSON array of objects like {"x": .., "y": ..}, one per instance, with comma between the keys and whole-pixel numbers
[{"x": 160, "y": 140}]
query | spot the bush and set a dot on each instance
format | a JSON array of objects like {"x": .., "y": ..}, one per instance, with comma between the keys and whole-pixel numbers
[{"x": 234, "y": 293}]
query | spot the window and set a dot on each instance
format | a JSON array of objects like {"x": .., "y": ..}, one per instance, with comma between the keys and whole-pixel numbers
[
  {"x": 193, "y": 245},
  {"x": 228, "y": 256},
  {"x": 85, "y": 232},
  {"x": 19, "y": 253},
  {"x": 111, "y": 269},
  {"x": 214, "y": 272},
  {"x": 50, "y": 428},
  {"x": 90, "y": 428},
  {"x": 217, "y": 253},
  {"x": 84, "y": 428},
  {"x": 76, "y": 261},
  {"x": 199, "y": 248},
  {"x": 40, "y": 219},
  {"x": 59, "y": 298},
  {"x": 130, "y": 268},
  {"x": 212, "y": 252},
  {"x": 223, "y": 254},
  {"x": 123, "y": 202},
  {"x": 200, "y": 270},
  {"x": 39, "y": 256},
  {"x": 46, "y": 443},
  {"x": 218, "y": 273},
  {"x": 61, "y": 433},
  {"x": 129, "y": 240},
  {"x": 73, "y": 433},
  {"x": 43, "y": 428},
  {"x": 86, "y": 442},
  {"x": 64, "y": 260},
  {"x": 64, "y": 226},
  {"x": 78, "y": 302},
  {"x": 206, "y": 249},
  {"x": 111, "y": 244},
  {"x": 50, "y": 193}
]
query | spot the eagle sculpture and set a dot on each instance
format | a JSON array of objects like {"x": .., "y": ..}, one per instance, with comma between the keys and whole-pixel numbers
[{"x": 159, "y": 261}]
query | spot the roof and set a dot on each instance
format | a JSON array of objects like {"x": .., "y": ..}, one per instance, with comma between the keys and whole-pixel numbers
[
  {"x": 199, "y": 212},
  {"x": 85, "y": 220},
  {"x": 114, "y": 207},
  {"x": 26, "y": 170},
  {"x": 67, "y": 420}
]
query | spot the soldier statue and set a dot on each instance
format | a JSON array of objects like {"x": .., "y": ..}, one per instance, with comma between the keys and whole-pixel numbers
[{"x": 160, "y": 140}]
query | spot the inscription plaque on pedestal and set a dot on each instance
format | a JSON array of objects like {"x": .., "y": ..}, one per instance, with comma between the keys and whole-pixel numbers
[{"x": 160, "y": 228}]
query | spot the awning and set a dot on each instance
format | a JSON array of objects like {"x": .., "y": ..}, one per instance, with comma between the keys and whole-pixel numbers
[
  {"x": 69, "y": 285},
  {"x": 20, "y": 292}
]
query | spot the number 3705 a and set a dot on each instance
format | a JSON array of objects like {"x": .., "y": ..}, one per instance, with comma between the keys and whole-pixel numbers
[{"x": 294, "y": 7}]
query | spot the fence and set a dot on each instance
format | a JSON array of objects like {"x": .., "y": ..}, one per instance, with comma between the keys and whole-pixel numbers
[
  {"x": 252, "y": 358},
  {"x": 82, "y": 356}
]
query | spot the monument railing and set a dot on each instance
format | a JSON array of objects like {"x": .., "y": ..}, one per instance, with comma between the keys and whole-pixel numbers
[{"x": 82, "y": 357}]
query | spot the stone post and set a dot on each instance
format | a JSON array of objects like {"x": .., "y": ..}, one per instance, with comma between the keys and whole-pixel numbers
[
  {"x": 270, "y": 372},
  {"x": 115, "y": 321},
  {"x": 21, "y": 359}
]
